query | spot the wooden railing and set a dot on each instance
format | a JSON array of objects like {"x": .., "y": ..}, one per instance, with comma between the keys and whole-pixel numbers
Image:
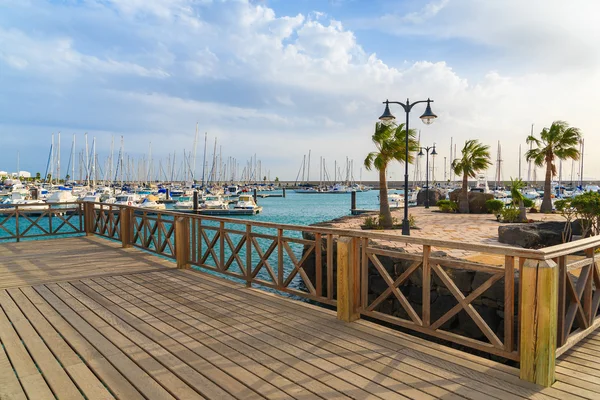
[
  {"x": 43, "y": 220},
  {"x": 544, "y": 301}
]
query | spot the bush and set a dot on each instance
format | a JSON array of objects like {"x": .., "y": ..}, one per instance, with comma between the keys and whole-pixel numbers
[
  {"x": 528, "y": 203},
  {"x": 510, "y": 214},
  {"x": 371, "y": 223},
  {"x": 412, "y": 221},
  {"x": 447, "y": 206},
  {"x": 494, "y": 206}
]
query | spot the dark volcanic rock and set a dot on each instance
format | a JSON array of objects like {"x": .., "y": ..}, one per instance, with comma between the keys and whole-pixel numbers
[
  {"x": 435, "y": 195},
  {"x": 476, "y": 200},
  {"x": 532, "y": 236}
]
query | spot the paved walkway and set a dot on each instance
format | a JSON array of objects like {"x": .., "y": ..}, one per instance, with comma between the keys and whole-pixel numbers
[{"x": 466, "y": 228}]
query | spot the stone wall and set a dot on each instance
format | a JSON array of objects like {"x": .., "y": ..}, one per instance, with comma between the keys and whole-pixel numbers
[{"x": 490, "y": 305}]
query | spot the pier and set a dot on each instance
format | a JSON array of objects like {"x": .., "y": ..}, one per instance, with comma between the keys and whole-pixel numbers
[{"x": 101, "y": 315}]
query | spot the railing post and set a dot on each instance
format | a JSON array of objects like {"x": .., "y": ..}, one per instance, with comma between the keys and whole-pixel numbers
[
  {"x": 538, "y": 330},
  {"x": 182, "y": 242},
  {"x": 126, "y": 232},
  {"x": 88, "y": 218},
  {"x": 348, "y": 279},
  {"x": 249, "y": 255},
  {"x": 426, "y": 286}
]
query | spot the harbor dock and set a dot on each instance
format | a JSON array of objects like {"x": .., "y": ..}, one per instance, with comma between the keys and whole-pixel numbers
[{"x": 101, "y": 315}]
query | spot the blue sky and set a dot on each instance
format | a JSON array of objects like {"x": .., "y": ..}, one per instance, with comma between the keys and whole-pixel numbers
[{"x": 276, "y": 78}]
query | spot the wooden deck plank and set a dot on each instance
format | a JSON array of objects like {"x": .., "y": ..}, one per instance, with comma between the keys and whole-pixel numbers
[
  {"x": 60, "y": 260},
  {"x": 354, "y": 353},
  {"x": 125, "y": 323},
  {"x": 335, "y": 348},
  {"x": 166, "y": 314},
  {"x": 33, "y": 383},
  {"x": 344, "y": 386},
  {"x": 486, "y": 389},
  {"x": 56, "y": 377},
  {"x": 112, "y": 330},
  {"x": 142, "y": 381},
  {"x": 124, "y": 300},
  {"x": 10, "y": 388},
  {"x": 286, "y": 366},
  {"x": 262, "y": 344},
  {"x": 484, "y": 378},
  {"x": 75, "y": 367},
  {"x": 213, "y": 375}
]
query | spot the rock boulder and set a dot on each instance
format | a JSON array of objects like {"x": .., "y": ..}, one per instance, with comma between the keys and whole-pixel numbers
[
  {"x": 532, "y": 236},
  {"x": 476, "y": 200},
  {"x": 435, "y": 195}
]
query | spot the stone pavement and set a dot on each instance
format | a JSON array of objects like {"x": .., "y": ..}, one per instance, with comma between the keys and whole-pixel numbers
[{"x": 466, "y": 228}]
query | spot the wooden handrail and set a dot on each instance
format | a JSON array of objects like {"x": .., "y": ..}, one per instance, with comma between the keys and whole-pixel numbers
[{"x": 355, "y": 233}]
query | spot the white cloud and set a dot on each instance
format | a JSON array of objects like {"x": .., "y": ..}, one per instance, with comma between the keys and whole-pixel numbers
[{"x": 281, "y": 85}]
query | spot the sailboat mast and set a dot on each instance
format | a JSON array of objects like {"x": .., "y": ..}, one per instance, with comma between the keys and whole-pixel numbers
[
  {"x": 52, "y": 151},
  {"x": 308, "y": 169},
  {"x": 73, "y": 159},
  {"x": 58, "y": 160},
  {"x": 529, "y": 166},
  {"x": 519, "y": 162},
  {"x": 582, "y": 152},
  {"x": 87, "y": 165},
  {"x": 450, "y": 177},
  {"x": 94, "y": 162},
  {"x": 194, "y": 155}
]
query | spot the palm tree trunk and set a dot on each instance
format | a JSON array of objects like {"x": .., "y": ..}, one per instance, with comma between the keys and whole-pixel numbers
[
  {"x": 385, "y": 215},
  {"x": 547, "y": 201},
  {"x": 463, "y": 203}
]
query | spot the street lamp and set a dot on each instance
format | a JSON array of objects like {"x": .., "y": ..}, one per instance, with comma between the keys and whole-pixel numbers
[
  {"x": 427, "y": 118},
  {"x": 433, "y": 153}
]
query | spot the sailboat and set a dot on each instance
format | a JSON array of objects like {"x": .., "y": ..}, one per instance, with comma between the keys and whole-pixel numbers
[{"x": 305, "y": 187}]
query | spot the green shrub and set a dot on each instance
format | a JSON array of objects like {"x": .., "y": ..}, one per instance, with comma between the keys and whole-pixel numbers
[
  {"x": 494, "y": 206},
  {"x": 528, "y": 203},
  {"x": 447, "y": 206},
  {"x": 371, "y": 222},
  {"x": 412, "y": 221},
  {"x": 510, "y": 214}
]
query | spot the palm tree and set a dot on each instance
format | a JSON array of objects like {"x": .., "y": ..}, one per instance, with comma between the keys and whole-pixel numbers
[
  {"x": 390, "y": 140},
  {"x": 475, "y": 158},
  {"x": 516, "y": 187},
  {"x": 560, "y": 141}
]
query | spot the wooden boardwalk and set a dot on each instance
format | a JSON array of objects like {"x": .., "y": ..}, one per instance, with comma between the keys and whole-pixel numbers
[{"x": 83, "y": 318}]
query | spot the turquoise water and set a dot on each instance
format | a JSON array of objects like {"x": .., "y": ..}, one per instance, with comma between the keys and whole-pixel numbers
[{"x": 306, "y": 209}]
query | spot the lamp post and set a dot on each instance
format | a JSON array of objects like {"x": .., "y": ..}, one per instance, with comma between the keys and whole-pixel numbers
[
  {"x": 427, "y": 118},
  {"x": 433, "y": 153}
]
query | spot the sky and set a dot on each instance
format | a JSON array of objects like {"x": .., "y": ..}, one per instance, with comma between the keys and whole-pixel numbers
[{"x": 278, "y": 78}]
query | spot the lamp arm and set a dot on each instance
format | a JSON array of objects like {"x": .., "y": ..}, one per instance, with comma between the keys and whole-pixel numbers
[
  {"x": 402, "y": 104},
  {"x": 416, "y": 102}
]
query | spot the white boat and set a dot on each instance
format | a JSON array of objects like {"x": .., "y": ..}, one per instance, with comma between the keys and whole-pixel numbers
[
  {"x": 214, "y": 202},
  {"x": 481, "y": 185},
  {"x": 59, "y": 198},
  {"x": 396, "y": 200},
  {"x": 127, "y": 200},
  {"x": 184, "y": 203},
  {"x": 150, "y": 203},
  {"x": 17, "y": 199},
  {"x": 232, "y": 191},
  {"x": 246, "y": 202},
  {"x": 338, "y": 188},
  {"x": 307, "y": 189},
  {"x": 531, "y": 194},
  {"x": 592, "y": 188}
]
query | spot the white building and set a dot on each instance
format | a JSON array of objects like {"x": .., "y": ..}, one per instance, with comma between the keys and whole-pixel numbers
[
  {"x": 3, "y": 173},
  {"x": 21, "y": 174}
]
